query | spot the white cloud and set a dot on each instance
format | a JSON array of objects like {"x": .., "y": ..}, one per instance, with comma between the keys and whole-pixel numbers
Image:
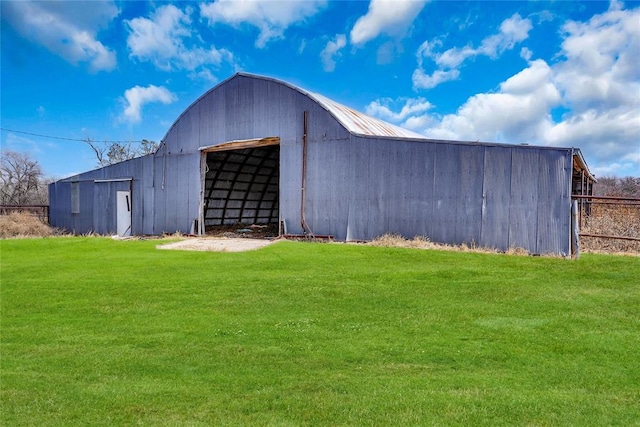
[
  {"x": 272, "y": 18},
  {"x": 517, "y": 113},
  {"x": 607, "y": 73},
  {"x": 68, "y": 29},
  {"x": 526, "y": 54},
  {"x": 410, "y": 106},
  {"x": 513, "y": 30},
  {"x": 23, "y": 143},
  {"x": 598, "y": 90},
  {"x": 391, "y": 17},
  {"x": 601, "y": 87},
  {"x": 138, "y": 96},
  {"x": 161, "y": 38},
  {"x": 331, "y": 50},
  {"x": 423, "y": 80}
]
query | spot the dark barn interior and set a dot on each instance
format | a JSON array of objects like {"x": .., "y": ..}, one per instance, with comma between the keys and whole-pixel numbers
[{"x": 241, "y": 186}]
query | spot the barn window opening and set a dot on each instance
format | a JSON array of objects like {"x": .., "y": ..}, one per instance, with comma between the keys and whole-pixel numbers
[{"x": 241, "y": 186}]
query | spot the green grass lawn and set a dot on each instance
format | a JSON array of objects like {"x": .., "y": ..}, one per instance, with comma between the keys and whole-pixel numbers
[{"x": 103, "y": 332}]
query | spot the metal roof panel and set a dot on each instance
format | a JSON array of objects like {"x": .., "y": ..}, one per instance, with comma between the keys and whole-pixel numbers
[{"x": 359, "y": 123}]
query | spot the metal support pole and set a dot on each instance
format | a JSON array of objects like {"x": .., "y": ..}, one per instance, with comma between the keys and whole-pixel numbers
[{"x": 575, "y": 230}]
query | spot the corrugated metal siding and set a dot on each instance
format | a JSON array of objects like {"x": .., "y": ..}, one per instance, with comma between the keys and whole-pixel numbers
[
  {"x": 554, "y": 202},
  {"x": 468, "y": 227},
  {"x": 496, "y": 197},
  {"x": 447, "y": 181},
  {"x": 523, "y": 207},
  {"x": 491, "y": 196}
]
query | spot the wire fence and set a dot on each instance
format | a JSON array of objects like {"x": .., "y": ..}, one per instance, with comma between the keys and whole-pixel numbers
[{"x": 609, "y": 224}]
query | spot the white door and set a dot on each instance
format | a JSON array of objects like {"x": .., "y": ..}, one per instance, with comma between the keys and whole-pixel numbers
[{"x": 123, "y": 218}]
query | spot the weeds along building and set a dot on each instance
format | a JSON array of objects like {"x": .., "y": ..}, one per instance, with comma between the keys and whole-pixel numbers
[{"x": 257, "y": 150}]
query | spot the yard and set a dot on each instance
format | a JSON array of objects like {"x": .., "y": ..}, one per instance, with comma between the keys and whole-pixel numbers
[{"x": 102, "y": 332}]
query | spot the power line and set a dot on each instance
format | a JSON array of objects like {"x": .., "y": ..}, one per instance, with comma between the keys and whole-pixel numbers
[{"x": 70, "y": 139}]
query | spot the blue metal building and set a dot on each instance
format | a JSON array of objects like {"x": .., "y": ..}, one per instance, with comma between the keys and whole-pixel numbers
[{"x": 258, "y": 150}]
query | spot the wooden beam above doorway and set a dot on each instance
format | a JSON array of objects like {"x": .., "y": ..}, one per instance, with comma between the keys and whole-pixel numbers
[{"x": 242, "y": 144}]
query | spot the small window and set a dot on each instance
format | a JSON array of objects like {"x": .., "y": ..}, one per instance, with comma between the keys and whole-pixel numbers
[{"x": 75, "y": 197}]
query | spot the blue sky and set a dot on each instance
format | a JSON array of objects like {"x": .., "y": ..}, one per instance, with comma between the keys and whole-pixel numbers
[{"x": 559, "y": 73}]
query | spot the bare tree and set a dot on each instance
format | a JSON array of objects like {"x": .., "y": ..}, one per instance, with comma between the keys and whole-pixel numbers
[
  {"x": 618, "y": 187},
  {"x": 21, "y": 180},
  {"x": 109, "y": 153}
]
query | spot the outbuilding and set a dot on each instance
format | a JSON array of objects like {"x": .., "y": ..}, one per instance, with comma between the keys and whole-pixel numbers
[{"x": 255, "y": 150}]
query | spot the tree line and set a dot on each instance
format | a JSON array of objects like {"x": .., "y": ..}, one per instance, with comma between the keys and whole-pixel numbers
[{"x": 617, "y": 187}]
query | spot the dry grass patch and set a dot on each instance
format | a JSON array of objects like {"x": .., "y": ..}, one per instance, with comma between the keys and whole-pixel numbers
[
  {"x": 20, "y": 224},
  {"x": 422, "y": 242}
]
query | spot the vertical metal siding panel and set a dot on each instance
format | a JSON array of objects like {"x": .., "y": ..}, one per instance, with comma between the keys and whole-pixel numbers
[
  {"x": 290, "y": 115},
  {"x": 137, "y": 196},
  {"x": 245, "y": 113},
  {"x": 171, "y": 196},
  {"x": 399, "y": 198},
  {"x": 159, "y": 195},
  {"x": 60, "y": 205},
  {"x": 447, "y": 182},
  {"x": 554, "y": 203},
  {"x": 266, "y": 109},
  {"x": 469, "y": 206},
  {"x": 290, "y": 184},
  {"x": 101, "y": 208},
  {"x": 188, "y": 131},
  {"x": 105, "y": 205},
  {"x": 84, "y": 220},
  {"x": 181, "y": 196},
  {"x": 213, "y": 117},
  {"x": 322, "y": 125},
  {"x": 523, "y": 213},
  {"x": 358, "y": 216},
  {"x": 54, "y": 204},
  {"x": 290, "y": 129},
  {"x": 169, "y": 171},
  {"x": 378, "y": 194},
  {"x": 239, "y": 109},
  {"x": 175, "y": 194},
  {"x": 497, "y": 196},
  {"x": 422, "y": 187},
  {"x": 148, "y": 207},
  {"x": 231, "y": 102},
  {"x": 341, "y": 160},
  {"x": 192, "y": 165},
  {"x": 317, "y": 190},
  {"x": 64, "y": 206},
  {"x": 148, "y": 194}
]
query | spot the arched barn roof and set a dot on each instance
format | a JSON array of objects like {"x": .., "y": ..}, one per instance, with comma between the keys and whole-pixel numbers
[{"x": 355, "y": 122}]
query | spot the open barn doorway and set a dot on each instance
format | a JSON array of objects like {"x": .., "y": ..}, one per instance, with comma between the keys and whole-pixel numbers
[{"x": 241, "y": 188}]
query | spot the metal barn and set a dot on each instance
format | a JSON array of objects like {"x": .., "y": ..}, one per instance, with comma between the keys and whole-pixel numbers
[{"x": 255, "y": 149}]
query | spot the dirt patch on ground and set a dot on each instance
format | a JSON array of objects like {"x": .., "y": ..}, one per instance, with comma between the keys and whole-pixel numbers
[{"x": 213, "y": 244}]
